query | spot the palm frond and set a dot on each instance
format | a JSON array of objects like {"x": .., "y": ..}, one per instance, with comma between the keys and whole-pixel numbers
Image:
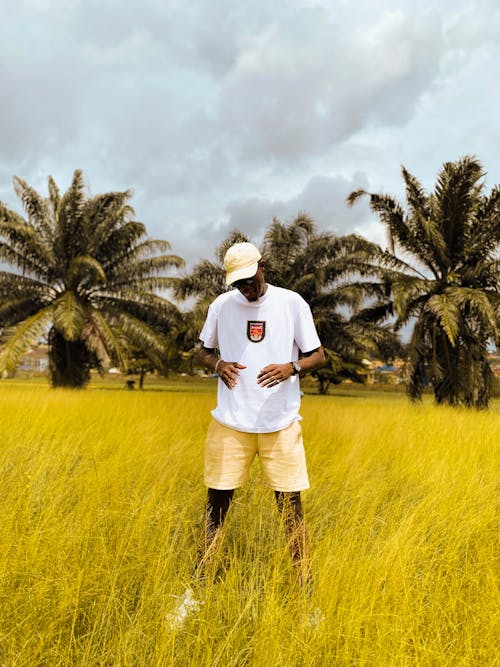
[
  {"x": 415, "y": 194},
  {"x": 352, "y": 294},
  {"x": 143, "y": 337},
  {"x": 69, "y": 316},
  {"x": 483, "y": 273},
  {"x": 104, "y": 213},
  {"x": 18, "y": 260},
  {"x": 483, "y": 232},
  {"x": 432, "y": 246},
  {"x": 447, "y": 313},
  {"x": 154, "y": 265},
  {"x": 14, "y": 310},
  {"x": 206, "y": 278},
  {"x": 35, "y": 207},
  {"x": 17, "y": 340},
  {"x": 84, "y": 272},
  {"x": 103, "y": 207},
  {"x": 406, "y": 292},
  {"x": 103, "y": 341},
  {"x": 475, "y": 304},
  {"x": 54, "y": 201},
  {"x": 150, "y": 308},
  {"x": 69, "y": 238},
  {"x": 235, "y": 236},
  {"x": 149, "y": 283},
  {"x": 121, "y": 243},
  {"x": 455, "y": 195},
  {"x": 393, "y": 217},
  {"x": 13, "y": 283},
  {"x": 356, "y": 195},
  {"x": 379, "y": 312},
  {"x": 150, "y": 248},
  {"x": 26, "y": 240}
]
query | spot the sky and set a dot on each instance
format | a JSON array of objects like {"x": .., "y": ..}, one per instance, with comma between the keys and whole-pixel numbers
[{"x": 222, "y": 114}]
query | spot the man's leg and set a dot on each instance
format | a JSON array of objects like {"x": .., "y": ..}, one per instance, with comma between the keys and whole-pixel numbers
[
  {"x": 218, "y": 502},
  {"x": 290, "y": 508},
  {"x": 215, "y": 512}
]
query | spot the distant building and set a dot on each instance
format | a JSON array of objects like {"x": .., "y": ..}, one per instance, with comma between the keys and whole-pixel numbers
[
  {"x": 376, "y": 371},
  {"x": 494, "y": 360},
  {"x": 36, "y": 360}
]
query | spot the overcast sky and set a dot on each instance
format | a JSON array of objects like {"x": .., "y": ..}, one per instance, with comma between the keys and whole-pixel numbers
[{"x": 225, "y": 113}]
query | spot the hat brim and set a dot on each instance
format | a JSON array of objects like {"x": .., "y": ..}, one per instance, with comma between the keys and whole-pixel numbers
[{"x": 240, "y": 274}]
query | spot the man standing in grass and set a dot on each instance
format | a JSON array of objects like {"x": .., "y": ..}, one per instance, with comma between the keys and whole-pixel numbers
[
  {"x": 259, "y": 331},
  {"x": 252, "y": 338}
]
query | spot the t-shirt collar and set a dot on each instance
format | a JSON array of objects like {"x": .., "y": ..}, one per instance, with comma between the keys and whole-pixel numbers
[{"x": 253, "y": 304}]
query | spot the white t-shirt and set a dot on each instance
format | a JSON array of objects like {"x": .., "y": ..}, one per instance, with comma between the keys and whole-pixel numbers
[{"x": 270, "y": 330}]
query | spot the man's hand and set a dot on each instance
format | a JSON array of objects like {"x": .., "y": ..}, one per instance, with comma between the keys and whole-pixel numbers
[
  {"x": 273, "y": 374},
  {"x": 228, "y": 372}
]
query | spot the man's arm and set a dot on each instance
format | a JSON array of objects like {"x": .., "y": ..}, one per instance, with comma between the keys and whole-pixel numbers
[
  {"x": 276, "y": 373},
  {"x": 228, "y": 370},
  {"x": 311, "y": 361},
  {"x": 208, "y": 357}
]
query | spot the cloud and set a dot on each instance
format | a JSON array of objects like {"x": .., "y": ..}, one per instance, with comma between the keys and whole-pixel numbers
[
  {"x": 323, "y": 198},
  {"x": 220, "y": 114},
  {"x": 39, "y": 101},
  {"x": 299, "y": 88}
]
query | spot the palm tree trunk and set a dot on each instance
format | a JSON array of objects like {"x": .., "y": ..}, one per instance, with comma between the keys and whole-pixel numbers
[
  {"x": 69, "y": 362},
  {"x": 447, "y": 385}
]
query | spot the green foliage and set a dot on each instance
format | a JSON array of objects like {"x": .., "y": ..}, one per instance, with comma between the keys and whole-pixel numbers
[
  {"x": 84, "y": 271},
  {"x": 323, "y": 269},
  {"x": 447, "y": 279}
]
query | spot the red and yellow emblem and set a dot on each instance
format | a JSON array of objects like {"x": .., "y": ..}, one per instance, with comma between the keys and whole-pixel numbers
[{"x": 256, "y": 331}]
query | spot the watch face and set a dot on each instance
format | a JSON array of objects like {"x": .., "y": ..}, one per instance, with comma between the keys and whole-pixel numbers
[{"x": 296, "y": 367}]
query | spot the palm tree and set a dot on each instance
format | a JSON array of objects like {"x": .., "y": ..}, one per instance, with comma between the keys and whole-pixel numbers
[
  {"x": 86, "y": 273},
  {"x": 446, "y": 278}
]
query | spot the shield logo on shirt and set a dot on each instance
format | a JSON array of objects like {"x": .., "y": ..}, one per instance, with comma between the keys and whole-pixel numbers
[{"x": 256, "y": 331}]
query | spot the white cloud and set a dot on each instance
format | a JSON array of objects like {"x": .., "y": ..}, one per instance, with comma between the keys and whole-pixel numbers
[
  {"x": 299, "y": 87},
  {"x": 323, "y": 198},
  {"x": 222, "y": 114}
]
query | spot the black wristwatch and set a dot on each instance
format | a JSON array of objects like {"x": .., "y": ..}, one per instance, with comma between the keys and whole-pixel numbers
[{"x": 296, "y": 368}]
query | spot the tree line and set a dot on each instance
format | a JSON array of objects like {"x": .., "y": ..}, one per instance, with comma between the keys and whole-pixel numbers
[{"x": 84, "y": 273}]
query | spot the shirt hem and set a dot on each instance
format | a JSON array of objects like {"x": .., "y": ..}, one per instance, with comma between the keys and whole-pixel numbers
[{"x": 257, "y": 430}]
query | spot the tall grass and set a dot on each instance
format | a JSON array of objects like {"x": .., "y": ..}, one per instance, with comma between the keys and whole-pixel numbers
[{"x": 101, "y": 504}]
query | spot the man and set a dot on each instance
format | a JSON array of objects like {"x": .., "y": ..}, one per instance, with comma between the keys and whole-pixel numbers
[{"x": 258, "y": 330}]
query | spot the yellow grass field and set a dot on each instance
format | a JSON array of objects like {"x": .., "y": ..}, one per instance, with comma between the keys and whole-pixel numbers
[{"x": 101, "y": 506}]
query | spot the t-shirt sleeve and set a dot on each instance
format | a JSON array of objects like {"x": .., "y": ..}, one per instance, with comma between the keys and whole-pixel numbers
[
  {"x": 208, "y": 334},
  {"x": 306, "y": 336}
]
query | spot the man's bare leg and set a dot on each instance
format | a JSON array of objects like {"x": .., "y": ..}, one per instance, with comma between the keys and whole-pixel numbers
[
  {"x": 218, "y": 502},
  {"x": 290, "y": 508}
]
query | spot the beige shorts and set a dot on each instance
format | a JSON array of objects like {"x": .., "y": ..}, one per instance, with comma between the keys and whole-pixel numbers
[{"x": 229, "y": 455}]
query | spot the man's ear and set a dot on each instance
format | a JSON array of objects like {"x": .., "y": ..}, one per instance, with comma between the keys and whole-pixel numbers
[{"x": 262, "y": 266}]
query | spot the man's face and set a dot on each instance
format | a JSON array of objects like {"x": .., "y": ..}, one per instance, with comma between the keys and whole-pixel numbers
[{"x": 252, "y": 288}]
